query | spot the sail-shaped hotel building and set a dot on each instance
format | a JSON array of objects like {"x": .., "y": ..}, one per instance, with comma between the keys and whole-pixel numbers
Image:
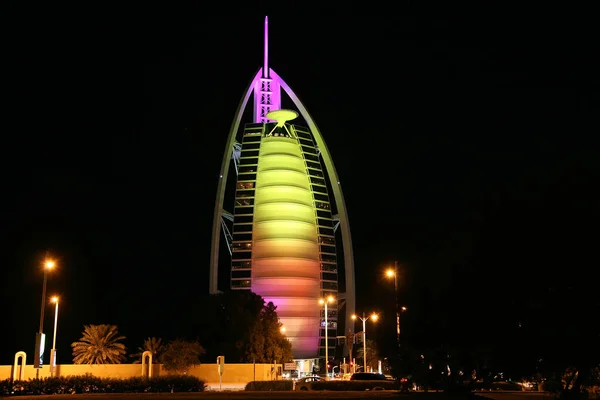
[{"x": 288, "y": 211}]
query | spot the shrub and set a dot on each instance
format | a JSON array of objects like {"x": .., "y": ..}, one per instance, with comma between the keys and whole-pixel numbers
[
  {"x": 593, "y": 392},
  {"x": 552, "y": 386},
  {"x": 180, "y": 355},
  {"x": 92, "y": 384},
  {"x": 257, "y": 386}
]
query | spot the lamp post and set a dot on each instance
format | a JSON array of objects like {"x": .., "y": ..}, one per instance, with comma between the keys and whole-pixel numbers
[
  {"x": 399, "y": 310},
  {"x": 394, "y": 273},
  {"x": 364, "y": 319},
  {"x": 329, "y": 299},
  {"x": 39, "y": 340},
  {"x": 54, "y": 300}
]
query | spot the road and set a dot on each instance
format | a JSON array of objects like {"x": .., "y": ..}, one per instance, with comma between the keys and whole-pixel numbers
[
  {"x": 320, "y": 395},
  {"x": 516, "y": 395},
  {"x": 234, "y": 395}
]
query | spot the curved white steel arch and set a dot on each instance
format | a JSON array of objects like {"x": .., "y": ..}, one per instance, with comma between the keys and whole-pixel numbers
[
  {"x": 339, "y": 199},
  {"x": 333, "y": 178},
  {"x": 216, "y": 230}
]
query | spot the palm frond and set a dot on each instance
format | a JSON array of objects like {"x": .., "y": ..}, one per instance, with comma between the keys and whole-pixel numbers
[
  {"x": 151, "y": 344},
  {"x": 99, "y": 344}
]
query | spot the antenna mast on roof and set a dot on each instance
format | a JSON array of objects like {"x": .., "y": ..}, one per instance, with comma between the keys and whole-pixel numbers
[
  {"x": 267, "y": 91},
  {"x": 266, "y": 61}
]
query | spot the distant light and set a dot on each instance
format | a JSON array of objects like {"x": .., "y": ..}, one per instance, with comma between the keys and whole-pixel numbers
[
  {"x": 49, "y": 264},
  {"x": 54, "y": 299}
]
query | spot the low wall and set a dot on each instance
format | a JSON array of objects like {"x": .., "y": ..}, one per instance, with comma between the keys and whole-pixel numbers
[{"x": 233, "y": 373}]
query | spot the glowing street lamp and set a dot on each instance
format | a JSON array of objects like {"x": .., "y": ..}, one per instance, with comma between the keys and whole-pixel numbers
[
  {"x": 374, "y": 317},
  {"x": 54, "y": 300},
  {"x": 393, "y": 273},
  {"x": 329, "y": 299},
  {"x": 48, "y": 266},
  {"x": 39, "y": 339}
]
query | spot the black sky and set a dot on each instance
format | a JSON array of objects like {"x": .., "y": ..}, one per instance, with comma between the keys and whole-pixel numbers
[{"x": 465, "y": 145}]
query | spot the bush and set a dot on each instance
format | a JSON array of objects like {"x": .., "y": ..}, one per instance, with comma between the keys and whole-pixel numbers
[
  {"x": 552, "y": 386},
  {"x": 92, "y": 384},
  {"x": 593, "y": 392},
  {"x": 257, "y": 386}
]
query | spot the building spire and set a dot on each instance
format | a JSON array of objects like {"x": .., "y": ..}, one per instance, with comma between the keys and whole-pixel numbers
[
  {"x": 267, "y": 91},
  {"x": 266, "y": 60}
]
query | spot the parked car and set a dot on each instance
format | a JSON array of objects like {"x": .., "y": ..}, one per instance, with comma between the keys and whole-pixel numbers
[
  {"x": 367, "y": 376},
  {"x": 306, "y": 382}
]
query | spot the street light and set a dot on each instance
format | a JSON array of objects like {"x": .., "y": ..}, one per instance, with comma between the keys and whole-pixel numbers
[
  {"x": 54, "y": 300},
  {"x": 394, "y": 273},
  {"x": 39, "y": 340},
  {"x": 364, "y": 319},
  {"x": 329, "y": 299},
  {"x": 282, "y": 329}
]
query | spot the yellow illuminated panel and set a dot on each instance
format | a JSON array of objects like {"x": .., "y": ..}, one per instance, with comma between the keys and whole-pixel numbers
[{"x": 285, "y": 250}]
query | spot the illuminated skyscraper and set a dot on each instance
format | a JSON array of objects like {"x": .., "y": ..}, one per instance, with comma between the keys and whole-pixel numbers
[{"x": 283, "y": 240}]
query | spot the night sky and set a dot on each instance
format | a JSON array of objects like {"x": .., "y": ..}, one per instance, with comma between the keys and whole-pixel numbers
[{"x": 466, "y": 149}]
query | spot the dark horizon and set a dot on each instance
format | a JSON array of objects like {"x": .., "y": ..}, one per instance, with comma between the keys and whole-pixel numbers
[{"x": 464, "y": 148}]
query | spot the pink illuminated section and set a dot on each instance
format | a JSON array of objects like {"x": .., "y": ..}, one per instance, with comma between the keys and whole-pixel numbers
[
  {"x": 266, "y": 60},
  {"x": 267, "y": 97},
  {"x": 267, "y": 91}
]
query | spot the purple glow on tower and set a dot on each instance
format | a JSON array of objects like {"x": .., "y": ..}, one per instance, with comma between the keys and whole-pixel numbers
[
  {"x": 266, "y": 61},
  {"x": 267, "y": 91}
]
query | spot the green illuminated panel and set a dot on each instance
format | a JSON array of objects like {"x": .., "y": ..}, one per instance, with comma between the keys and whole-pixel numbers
[
  {"x": 282, "y": 211},
  {"x": 278, "y": 161},
  {"x": 275, "y": 229}
]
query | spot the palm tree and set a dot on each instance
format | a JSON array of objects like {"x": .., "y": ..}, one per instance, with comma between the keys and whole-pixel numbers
[
  {"x": 152, "y": 345},
  {"x": 99, "y": 345}
]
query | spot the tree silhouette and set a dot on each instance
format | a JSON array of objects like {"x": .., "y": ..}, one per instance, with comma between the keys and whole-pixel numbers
[
  {"x": 372, "y": 355},
  {"x": 181, "y": 355},
  {"x": 238, "y": 325},
  {"x": 153, "y": 345},
  {"x": 266, "y": 343}
]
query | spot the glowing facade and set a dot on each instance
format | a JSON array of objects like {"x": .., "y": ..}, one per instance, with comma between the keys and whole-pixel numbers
[{"x": 283, "y": 241}]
